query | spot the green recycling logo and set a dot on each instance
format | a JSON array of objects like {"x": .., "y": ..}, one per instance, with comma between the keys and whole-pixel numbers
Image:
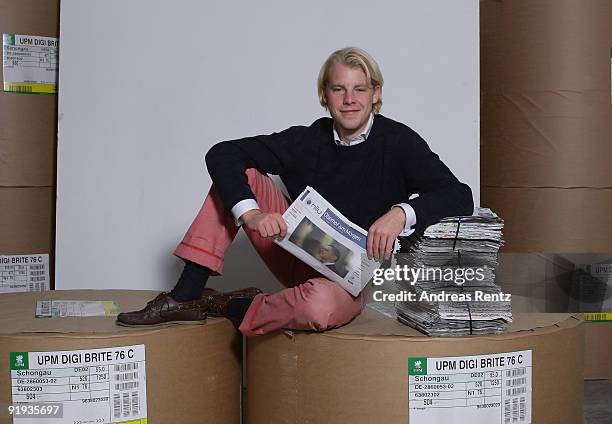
[{"x": 19, "y": 361}]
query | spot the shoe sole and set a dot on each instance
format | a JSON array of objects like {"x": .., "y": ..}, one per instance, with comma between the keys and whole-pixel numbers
[{"x": 162, "y": 324}]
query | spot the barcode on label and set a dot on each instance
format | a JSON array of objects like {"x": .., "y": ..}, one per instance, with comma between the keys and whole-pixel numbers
[
  {"x": 35, "y": 287},
  {"x": 135, "y": 403},
  {"x": 127, "y": 376},
  {"x": 516, "y": 391},
  {"x": 507, "y": 411},
  {"x": 37, "y": 272},
  {"x": 594, "y": 316},
  {"x": 34, "y": 279},
  {"x": 116, "y": 405},
  {"x": 37, "y": 267},
  {"x": 516, "y": 381},
  {"x": 126, "y": 385},
  {"x": 21, "y": 88},
  {"x": 522, "y": 409},
  {"x": 516, "y": 372},
  {"x": 515, "y": 410},
  {"x": 126, "y": 367},
  {"x": 126, "y": 404}
]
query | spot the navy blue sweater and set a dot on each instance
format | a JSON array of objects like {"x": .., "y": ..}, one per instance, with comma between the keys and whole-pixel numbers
[{"x": 361, "y": 181}]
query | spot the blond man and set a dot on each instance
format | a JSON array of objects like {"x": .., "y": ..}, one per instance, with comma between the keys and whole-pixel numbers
[{"x": 366, "y": 165}]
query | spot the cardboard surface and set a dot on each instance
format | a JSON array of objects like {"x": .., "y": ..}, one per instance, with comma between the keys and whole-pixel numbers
[
  {"x": 597, "y": 356},
  {"x": 28, "y": 138},
  {"x": 355, "y": 374},
  {"x": 27, "y": 220},
  {"x": 28, "y": 128},
  {"x": 193, "y": 371},
  {"x": 28, "y": 123},
  {"x": 553, "y": 220},
  {"x": 542, "y": 282},
  {"x": 545, "y": 68}
]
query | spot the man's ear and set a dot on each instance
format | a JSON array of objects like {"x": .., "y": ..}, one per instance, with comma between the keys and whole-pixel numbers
[{"x": 376, "y": 95}]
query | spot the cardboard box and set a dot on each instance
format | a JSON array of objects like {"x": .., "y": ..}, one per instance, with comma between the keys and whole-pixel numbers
[
  {"x": 192, "y": 372},
  {"x": 359, "y": 373},
  {"x": 542, "y": 282}
]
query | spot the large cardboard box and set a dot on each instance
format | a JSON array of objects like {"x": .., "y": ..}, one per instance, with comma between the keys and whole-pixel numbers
[
  {"x": 542, "y": 282},
  {"x": 189, "y": 373},
  {"x": 360, "y": 373}
]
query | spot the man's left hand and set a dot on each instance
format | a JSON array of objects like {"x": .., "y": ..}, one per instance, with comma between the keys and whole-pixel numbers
[{"x": 383, "y": 233}]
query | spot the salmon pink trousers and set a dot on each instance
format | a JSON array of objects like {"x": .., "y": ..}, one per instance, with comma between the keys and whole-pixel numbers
[{"x": 310, "y": 301}]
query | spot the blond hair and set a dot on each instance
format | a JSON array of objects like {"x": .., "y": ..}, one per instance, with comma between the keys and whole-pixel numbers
[{"x": 356, "y": 57}]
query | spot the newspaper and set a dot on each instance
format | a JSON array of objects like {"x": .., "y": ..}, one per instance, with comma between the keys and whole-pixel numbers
[
  {"x": 319, "y": 235},
  {"x": 455, "y": 244}
]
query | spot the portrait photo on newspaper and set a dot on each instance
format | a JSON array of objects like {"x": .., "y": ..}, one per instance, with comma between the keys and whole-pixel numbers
[{"x": 322, "y": 246}]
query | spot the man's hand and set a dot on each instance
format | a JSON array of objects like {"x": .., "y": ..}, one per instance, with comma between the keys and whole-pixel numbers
[
  {"x": 384, "y": 231},
  {"x": 266, "y": 224}
]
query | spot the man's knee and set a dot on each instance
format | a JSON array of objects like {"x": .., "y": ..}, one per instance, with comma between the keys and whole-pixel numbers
[
  {"x": 253, "y": 175},
  {"x": 324, "y": 306}
]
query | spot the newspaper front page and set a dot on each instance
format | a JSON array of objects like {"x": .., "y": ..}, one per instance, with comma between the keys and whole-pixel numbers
[{"x": 322, "y": 237}]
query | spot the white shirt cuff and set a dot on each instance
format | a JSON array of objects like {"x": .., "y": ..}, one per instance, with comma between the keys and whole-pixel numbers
[
  {"x": 243, "y": 206},
  {"x": 410, "y": 218}
]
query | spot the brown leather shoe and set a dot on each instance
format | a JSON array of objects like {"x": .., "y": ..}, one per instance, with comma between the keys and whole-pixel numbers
[
  {"x": 165, "y": 310},
  {"x": 218, "y": 303}
]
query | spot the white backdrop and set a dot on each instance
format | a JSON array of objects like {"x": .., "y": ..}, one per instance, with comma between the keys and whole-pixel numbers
[{"x": 147, "y": 86}]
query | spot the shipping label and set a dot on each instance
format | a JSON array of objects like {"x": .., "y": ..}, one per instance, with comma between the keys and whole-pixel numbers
[
  {"x": 592, "y": 291},
  {"x": 76, "y": 308},
  {"x": 105, "y": 385},
  {"x": 24, "y": 273},
  {"x": 30, "y": 63},
  {"x": 482, "y": 389}
]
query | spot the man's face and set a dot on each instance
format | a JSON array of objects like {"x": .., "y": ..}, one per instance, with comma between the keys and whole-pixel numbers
[
  {"x": 328, "y": 255},
  {"x": 349, "y": 99}
]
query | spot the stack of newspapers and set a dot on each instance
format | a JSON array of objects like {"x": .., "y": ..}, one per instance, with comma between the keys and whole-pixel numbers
[{"x": 453, "y": 277}]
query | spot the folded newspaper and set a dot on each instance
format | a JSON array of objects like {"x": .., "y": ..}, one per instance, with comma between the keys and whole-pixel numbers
[
  {"x": 455, "y": 244},
  {"x": 319, "y": 235}
]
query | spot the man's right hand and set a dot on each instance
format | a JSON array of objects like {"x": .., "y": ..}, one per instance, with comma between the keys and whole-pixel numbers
[{"x": 266, "y": 224}]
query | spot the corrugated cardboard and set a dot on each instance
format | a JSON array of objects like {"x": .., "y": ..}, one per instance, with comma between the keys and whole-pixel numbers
[
  {"x": 27, "y": 220},
  {"x": 542, "y": 282},
  {"x": 553, "y": 220},
  {"x": 193, "y": 371},
  {"x": 358, "y": 373}
]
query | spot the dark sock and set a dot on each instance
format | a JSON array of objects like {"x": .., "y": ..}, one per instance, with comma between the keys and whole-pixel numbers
[
  {"x": 237, "y": 308},
  {"x": 191, "y": 283}
]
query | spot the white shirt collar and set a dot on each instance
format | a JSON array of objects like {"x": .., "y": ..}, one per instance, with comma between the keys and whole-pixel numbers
[{"x": 360, "y": 138}]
